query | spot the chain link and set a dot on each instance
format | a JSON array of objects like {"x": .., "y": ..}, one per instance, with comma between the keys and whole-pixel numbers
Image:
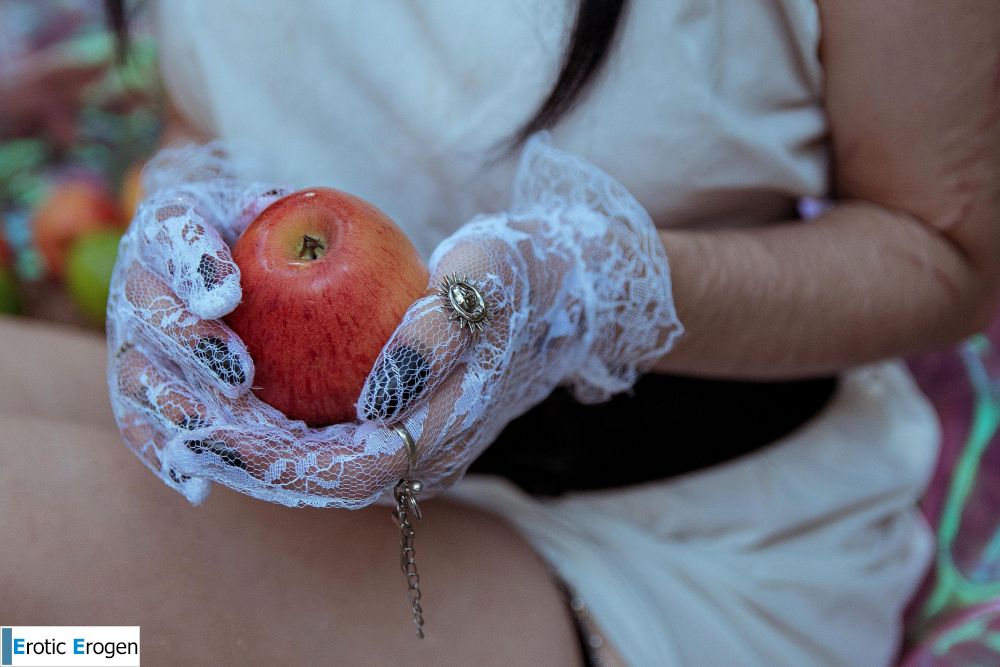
[{"x": 406, "y": 505}]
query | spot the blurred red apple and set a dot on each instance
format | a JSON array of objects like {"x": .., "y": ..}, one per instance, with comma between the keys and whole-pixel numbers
[
  {"x": 73, "y": 207},
  {"x": 326, "y": 279},
  {"x": 6, "y": 255}
]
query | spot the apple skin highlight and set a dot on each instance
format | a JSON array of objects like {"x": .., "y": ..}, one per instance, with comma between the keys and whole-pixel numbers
[{"x": 326, "y": 279}]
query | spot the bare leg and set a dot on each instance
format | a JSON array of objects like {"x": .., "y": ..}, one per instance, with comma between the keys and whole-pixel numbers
[
  {"x": 93, "y": 539},
  {"x": 53, "y": 372}
]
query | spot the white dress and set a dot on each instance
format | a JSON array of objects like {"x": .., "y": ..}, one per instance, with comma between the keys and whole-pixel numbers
[{"x": 711, "y": 114}]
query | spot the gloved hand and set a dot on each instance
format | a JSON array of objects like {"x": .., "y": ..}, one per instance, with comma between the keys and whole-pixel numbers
[
  {"x": 574, "y": 276},
  {"x": 170, "y": 361},
  {"x": 577, "y": 285},
  {"x": 179, "y": 378}
]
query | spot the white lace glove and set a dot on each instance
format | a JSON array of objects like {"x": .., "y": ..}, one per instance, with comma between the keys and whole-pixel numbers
[
  {"x": 574, "y": 275},
  {"x": 578, "y": 285},
  {"x": 170, "y": 362}
]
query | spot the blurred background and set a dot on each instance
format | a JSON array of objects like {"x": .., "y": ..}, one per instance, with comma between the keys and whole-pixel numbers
[
  {"x": 77, "y": 121},
  {"x": 76, "y": 124}
]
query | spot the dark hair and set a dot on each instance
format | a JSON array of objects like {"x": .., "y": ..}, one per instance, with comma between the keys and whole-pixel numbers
[
  {"x": 117, "y": 19},
  {"x": 590, "y": 41}
]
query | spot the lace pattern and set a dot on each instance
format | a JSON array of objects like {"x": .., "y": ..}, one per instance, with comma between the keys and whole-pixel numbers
[{"x": 574, "y": 275}]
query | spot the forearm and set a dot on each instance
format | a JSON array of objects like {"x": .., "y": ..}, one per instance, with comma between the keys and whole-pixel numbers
[{"x": 858, "y": 284}]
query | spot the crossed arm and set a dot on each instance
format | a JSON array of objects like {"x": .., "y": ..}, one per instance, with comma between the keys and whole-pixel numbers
[{"x": 909, "y": 259}]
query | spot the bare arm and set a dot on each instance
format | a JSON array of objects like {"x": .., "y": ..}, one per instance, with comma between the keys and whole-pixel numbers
[
  {"x": 178, "y": 131},
  {"x": 910, "y": 259}
]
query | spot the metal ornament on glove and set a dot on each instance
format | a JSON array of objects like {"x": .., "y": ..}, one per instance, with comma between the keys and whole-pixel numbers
[{"x": 464, "y": 303}]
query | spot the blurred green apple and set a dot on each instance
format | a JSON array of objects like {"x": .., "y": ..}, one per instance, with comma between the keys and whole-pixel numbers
[
  {"x": 75, "y": 206},
  {"x": 9, "y": 303},
  {"x": 89, "y": 263}
]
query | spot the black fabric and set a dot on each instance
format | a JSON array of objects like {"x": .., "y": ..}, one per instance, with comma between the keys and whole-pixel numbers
[{"x": 667, "y": 425}]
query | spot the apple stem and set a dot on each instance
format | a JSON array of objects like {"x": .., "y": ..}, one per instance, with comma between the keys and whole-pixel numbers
[{"x": 309, "y": 247}]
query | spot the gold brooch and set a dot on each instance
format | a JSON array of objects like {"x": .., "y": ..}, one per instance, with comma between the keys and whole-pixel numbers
[{"x": 464, "y": 303}]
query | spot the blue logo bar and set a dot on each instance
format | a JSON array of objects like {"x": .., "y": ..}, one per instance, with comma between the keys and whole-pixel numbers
[{"x": 7, "y": 646}]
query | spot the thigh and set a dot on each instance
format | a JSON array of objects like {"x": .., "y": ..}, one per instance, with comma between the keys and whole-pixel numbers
[
  {"x": 93, "y": 538},
  {"x": 52, "y": 372}
]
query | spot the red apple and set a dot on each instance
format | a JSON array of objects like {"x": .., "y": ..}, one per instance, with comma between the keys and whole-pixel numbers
[
  {"x": 73, "y": 207},
  {"x": 326, "y": 279}
]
